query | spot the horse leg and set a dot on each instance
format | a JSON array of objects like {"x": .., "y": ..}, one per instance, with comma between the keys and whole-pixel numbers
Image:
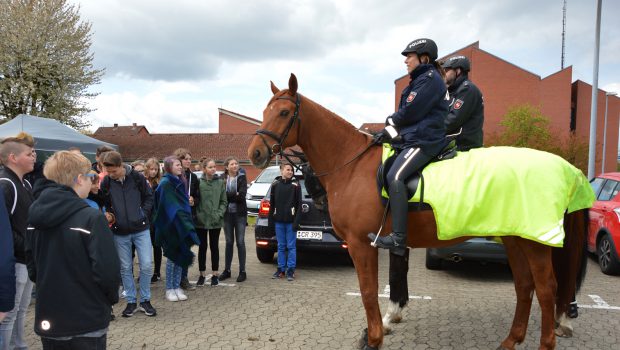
[
  {"x": 539, "y": 257},
  {"x": 399, "y": 291},
  {"x": 365, "y": 259},
  {"x": 524, "y": 288}
]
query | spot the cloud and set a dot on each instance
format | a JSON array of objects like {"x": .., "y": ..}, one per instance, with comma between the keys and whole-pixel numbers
[
  {"x": 160, "y": 110},
  {"x": 167, "y": 60}
]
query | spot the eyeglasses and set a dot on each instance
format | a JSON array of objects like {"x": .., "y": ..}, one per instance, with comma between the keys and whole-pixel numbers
[{"x": 93, "y": 177}]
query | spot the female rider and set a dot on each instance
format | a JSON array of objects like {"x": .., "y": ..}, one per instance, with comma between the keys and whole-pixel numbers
[{"x": 420, "y": 124}]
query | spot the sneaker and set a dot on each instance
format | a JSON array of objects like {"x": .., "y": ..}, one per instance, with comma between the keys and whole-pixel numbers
[
  {"x": 290, "y": 275},
  {"x": 278, "y": 274},
  {"x": 242, "y": 276},
  {"x": 225, "y": 275},
  {"x": 171, "y": 295},
  {"x": 201, "y": 281},
  {"x": 147, "y": 308},
  {"x": 215, "y": 280},
  {"x": 130, "y": 309},
  {"x": 155, "y": 278},
  {"x": 186, "y": 285},
  {"x": 180, "y": 294}
]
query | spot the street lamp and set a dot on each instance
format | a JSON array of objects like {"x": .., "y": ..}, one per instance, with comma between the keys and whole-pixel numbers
[{"x": 605, "y": 128}]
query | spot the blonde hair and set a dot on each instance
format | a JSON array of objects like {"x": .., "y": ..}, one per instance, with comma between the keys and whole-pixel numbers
[
  {"x": 63, "y": 167},
  {"x": 152, "y": 163}
]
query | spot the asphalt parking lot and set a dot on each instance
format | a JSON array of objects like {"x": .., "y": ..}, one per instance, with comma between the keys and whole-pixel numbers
[{"x": 466, "y": 306}]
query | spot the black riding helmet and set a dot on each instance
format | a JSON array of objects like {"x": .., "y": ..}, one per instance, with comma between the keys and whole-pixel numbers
[
  {"x": 457, "y": 62},
  {"x": 422, "y": 46}
]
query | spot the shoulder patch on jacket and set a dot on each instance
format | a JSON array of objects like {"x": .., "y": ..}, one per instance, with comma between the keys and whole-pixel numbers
[
  {"x": 411, "y": 96},
  {"x": 458, "y": 104}
]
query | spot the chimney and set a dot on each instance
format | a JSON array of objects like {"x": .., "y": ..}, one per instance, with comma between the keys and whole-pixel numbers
[
  {"x": 115, "y": 125},
  {"x": 134, "y": 124}
]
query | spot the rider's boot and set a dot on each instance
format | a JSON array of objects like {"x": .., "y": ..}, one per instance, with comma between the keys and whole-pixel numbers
[{"x": 397, "y": 240}]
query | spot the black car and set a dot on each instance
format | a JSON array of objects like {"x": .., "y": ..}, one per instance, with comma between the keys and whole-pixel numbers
[{"x": 315, "y": 229}]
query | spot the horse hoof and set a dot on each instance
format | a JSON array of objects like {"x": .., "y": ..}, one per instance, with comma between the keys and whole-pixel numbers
[
  {"x": 564, "y": 332},
  {"x": 363, "y": 344}
]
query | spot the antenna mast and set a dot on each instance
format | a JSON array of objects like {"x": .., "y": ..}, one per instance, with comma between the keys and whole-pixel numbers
[{"x": 563, "y": 33}]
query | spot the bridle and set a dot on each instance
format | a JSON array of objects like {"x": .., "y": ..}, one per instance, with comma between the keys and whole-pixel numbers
[{"x": 276, "y": 148}]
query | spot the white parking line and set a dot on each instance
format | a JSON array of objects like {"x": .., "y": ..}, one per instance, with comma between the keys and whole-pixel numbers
[
  {"x": 599, "y": 304},
  {"x": 386, "y": 294}
]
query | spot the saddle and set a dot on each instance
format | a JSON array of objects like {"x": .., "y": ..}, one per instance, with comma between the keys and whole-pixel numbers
[{"x": 414, "y": 180}]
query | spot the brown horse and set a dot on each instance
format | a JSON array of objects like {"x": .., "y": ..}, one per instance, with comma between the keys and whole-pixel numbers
[{"x": 334, "y": 149}]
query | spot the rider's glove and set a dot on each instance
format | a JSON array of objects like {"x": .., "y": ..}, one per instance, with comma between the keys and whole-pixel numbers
[{"x": 388, "y": 133}]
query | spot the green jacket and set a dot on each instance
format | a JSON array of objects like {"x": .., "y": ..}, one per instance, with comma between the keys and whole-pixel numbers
[{"x": 212, "y": 205}]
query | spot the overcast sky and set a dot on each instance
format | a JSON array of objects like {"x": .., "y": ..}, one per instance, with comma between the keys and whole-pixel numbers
[{"x": 170, "y": 64}]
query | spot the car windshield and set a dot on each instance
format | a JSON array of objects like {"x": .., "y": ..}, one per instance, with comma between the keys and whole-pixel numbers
[{"x": 267, "y": 176}]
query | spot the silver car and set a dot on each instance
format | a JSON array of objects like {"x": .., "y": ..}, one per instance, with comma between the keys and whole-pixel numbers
[{"x": 259, "y": 187}]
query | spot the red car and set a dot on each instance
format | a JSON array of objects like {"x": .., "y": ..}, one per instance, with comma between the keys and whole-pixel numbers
[{"x": 604, "y": 230}]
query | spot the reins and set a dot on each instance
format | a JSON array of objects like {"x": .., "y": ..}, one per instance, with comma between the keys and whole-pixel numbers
[{"x": 276, "y": 148}]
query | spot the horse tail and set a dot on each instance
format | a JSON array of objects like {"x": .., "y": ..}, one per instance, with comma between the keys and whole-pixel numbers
[{"x": 570, "y": 261}]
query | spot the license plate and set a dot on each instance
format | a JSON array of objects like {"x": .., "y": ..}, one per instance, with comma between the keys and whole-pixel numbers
[{"x": 309, "y": 235}]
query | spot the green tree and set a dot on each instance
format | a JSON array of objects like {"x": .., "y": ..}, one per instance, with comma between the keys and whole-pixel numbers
[
  {"x": 526, "y": 126},
  {"x": 46, "y": 66}
]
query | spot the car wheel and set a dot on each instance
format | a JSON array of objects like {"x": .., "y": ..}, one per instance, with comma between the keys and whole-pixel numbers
[
  {"x": 433, "y": 263},
  {"x": 607, "y": 256},
  {"x": 264, "y": 255}
]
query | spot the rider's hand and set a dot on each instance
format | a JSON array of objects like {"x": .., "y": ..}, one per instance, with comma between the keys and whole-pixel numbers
[{"x": 388, "y": 133}]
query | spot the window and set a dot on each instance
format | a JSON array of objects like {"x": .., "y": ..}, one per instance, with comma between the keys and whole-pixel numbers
[
  {"x": 608, "y": 190},
  {"x": 596, "y": 184}
]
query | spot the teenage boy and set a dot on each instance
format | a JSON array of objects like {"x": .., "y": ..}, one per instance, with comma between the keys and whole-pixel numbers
[
  {"x": 284, "y": 213},
  {"x": 18, "y": 156},
  {"x": 71, "y": 258},
  {"x": 128, "y": 200}
]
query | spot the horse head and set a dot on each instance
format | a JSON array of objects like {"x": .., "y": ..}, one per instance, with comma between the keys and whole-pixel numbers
[{"x": 280, "y": 126}]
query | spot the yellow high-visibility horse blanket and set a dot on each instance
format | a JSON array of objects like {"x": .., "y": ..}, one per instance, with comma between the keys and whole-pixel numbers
[{"x": 503, "y": 191}]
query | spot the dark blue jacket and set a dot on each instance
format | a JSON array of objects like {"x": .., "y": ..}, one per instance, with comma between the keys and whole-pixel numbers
[
  {"x": 7, "y": 260},
  {"x": 73, "y": 262},
  {"x": 130, "y": 200},
  {"x": 422, "y": 110}
]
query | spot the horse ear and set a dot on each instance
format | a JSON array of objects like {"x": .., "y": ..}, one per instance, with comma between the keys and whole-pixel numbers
[
  {"x": 292, "y": 84},
  {"x": 274, "y": 89}
]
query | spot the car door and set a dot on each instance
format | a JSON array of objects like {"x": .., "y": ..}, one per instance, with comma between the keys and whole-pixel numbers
[{"x": 601, "y": 212}]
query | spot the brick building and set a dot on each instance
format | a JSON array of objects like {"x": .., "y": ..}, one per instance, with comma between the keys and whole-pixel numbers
[
  {"x": 566, "y": 104},
  {"x": 233, "y": 139}
]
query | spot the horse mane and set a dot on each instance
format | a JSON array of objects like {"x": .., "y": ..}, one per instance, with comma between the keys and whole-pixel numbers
[{"x": 332, "y": 116}]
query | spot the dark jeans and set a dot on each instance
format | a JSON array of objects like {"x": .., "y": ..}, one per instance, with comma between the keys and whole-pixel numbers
[
  {"x": 213, "y": 238},
  {"x": 234, "y": 229},
  {"x": 157, "y": 254},
  {"x": 77, "y": 343}
]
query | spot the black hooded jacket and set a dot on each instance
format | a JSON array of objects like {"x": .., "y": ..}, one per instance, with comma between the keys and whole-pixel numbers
[{"x": 73, "y": 261}]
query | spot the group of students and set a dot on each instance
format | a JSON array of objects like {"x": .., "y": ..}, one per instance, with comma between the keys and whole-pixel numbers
[{"x": 76, "y": 232}]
